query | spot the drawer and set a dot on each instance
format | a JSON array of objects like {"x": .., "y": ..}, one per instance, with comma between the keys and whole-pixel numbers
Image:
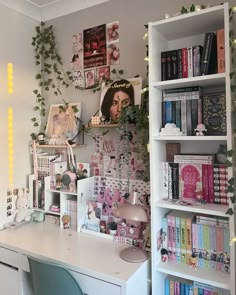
[
  {"x": 9, "y": 257},
  {"x": 9, "y": 280},
  {"x": 93, "y": 286}
]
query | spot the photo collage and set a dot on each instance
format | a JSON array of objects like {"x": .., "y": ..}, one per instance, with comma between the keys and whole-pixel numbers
[{"x": 93, "y": 51}]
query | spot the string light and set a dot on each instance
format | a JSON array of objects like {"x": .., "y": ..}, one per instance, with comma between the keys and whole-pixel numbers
[
  {"x": 10, "y": 77},
  {"x": 10, "y": 147},
  {"x": 145, "y": 36},
  {"x": 144, "y": 90},
  {"x": 146, "y": 58},
  {"x": 234, "y": 9}
]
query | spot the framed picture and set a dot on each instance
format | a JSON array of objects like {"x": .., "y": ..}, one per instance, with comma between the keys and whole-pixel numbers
[
  {"x": 63, "y": 122},
  {"x": 119, "y": 94},
  {"x": 90, "y": 78}
]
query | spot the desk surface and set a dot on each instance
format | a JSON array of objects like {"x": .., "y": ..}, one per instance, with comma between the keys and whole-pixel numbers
[{"x": 92, "y": 255}]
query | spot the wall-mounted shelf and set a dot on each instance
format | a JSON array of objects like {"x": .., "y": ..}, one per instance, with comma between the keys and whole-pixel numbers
[{"x": 53, "y": 146}]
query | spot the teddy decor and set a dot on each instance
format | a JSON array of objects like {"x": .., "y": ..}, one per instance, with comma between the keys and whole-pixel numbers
[{"x": 23, "y": 213}]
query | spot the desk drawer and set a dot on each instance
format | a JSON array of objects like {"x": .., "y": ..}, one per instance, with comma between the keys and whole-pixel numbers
[
  {"x": 92, "y": 286},
  {"x": 9, "y": 257}
]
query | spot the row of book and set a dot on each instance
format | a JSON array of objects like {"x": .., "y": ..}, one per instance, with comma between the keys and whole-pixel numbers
[
  {"x": 179, "y": 286},
  {"x": 183, "y": 107},
  {"x": 187, "y": 107},
  {"x": 196, "y": 60},
  {"x": 187, "y": 235},
  {"x": 195, "y": 178}
]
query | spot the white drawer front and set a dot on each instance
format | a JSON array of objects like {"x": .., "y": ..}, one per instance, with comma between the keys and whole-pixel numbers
[
  {"x": 9, "y": 280},
  {"x": 92, "y": 286},
  {"x": 9, "y": 257}
]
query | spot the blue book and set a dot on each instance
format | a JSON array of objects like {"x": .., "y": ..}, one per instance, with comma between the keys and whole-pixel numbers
[
  {"x": 167, "y": 286},
  {"x": 200, "y": 291},
  {"x": 178, "y": 114},
  {"x": 168, "y": 112},
  {"x": 178, "y": 239},
  {"x": 182, "y": 288}
]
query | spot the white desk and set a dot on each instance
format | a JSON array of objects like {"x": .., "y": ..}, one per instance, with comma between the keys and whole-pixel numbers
[{"x": 94, "y": 261}]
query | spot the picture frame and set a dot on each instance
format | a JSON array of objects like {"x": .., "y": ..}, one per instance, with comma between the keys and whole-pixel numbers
[
  {"x": 110, "y": 105},
  {"x": 63, "y": 122}
]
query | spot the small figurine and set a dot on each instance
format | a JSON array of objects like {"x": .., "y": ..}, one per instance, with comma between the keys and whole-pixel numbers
[
  {"x": 66, "y": 221},
  {"x": 41, "y": 138},
  {"x": 200, "y": 130},
  {"x": 193, "y": 262},
  {"x": 164, "y": 255}
]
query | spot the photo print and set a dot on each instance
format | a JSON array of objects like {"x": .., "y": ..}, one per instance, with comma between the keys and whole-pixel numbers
[
  {"x": 118, "y": 94},
  {"x": 95, "y": 47},
  {"x": 90, "y": 78},
  {"x": 113, "y": 32}
]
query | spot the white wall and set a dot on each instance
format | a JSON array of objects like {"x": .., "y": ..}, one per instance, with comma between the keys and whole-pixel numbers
[{"x": 15, "y": 47}]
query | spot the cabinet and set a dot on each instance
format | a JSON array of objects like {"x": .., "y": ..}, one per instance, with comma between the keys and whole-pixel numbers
[{"x": 169, "y": 34}]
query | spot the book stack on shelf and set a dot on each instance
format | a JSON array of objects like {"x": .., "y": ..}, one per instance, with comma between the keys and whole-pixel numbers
[
  {"x": 190, "y": 235},
  {"x": 195, "y": 178},
  {"x": 191, "y": 184},
  {"x": 175, "y": 285},
  {"x": 195, "y": 60},
  {"x": 188, "y": 107}
]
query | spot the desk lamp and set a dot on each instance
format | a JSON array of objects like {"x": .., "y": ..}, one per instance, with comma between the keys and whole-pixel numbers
[{"x": 134, "y": 212}]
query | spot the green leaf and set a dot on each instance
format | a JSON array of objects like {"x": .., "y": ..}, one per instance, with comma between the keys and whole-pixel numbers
[
  {"x": 230, "y": 153},
  {"x": 228, "y": 163},
  {"x": 232, "y": 199},
  {"x": 33, "y": 119},
  {"x": 230, "y": 189},
  {"x": 231, "y": 181},
  {"x": 192, "y": 8},
  {"x": 229, "y": 211}
]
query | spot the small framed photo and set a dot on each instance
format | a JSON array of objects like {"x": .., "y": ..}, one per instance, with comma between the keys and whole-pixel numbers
[
  {"x": 117, "y": 95},
  {"x": 63, "y": 122},
  {"x": 90, "y": 78}
]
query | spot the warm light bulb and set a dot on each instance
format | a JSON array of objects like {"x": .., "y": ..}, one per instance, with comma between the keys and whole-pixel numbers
[
  {"x": 10, "y": 147},
  {"x": 10, "y": 77}
]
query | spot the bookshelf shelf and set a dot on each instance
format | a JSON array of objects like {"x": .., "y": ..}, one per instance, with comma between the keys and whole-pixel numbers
[
  {"x": 220, "y": 280},
  {"x": 189, "y": 138},
  {"x": 57, "y": 146},
  {"x": 185, "y": 31},
  {"x": 203, "y": 81},
  {"x": 210, "y": 209}
]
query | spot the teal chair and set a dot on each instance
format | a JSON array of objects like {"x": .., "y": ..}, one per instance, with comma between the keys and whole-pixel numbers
[{"x": 51, "y": 279}]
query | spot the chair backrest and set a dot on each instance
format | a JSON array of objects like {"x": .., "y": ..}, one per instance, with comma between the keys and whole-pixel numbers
[{"x": 52, "y": 279}]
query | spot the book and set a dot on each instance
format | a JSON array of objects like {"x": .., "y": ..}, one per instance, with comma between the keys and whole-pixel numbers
[
  {"x": 174, "y": 64},
  {"x": 220, "y": 41},
  {"x": 185, "y": 62},
  {"x": 190, "y": 62},
  {"x": 171, "y": 150},
  {"x": 214, "y": 113},
  {"x": 179, "y": 56},
  {"x": 197, "y": 55},
  {"x": 165, "y": 179},
  {"x": 190, "y": 177},
  {"x": 169, "y": 65},
  {"x": 209, "y": 55},
  {"x": 174, "y": 180},
  {"x": 164, "y": 66},
  {"x": 56, "y": 171}
]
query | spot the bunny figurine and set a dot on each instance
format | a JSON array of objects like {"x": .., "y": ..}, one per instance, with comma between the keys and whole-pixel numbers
[{"x": 23, "y": 213}]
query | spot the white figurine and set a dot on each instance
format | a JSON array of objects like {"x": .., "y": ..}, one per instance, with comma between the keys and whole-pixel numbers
[
  {"x": 200, "y": 130},
  {"x": 23, "y": 213}
]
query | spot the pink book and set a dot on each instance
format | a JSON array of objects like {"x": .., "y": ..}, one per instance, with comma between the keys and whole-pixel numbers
[
  {"x": 169, "y": 236},
  {"x": 177, "y": 288},
  {"x": 185, "y": 62},
  {"x": 210, "y": 183},
  {"x": 205, "y": 182},
  {"x": 190, "y": 180}
]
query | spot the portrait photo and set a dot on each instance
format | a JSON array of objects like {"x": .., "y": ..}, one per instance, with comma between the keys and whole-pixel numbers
[
  {"x": 103, "y": 74},
  {"x": 78, "y": 79},
  {"x": 63, "y": 122},
  {"x": 95, "y": 47},
  {"x": 117, "y": 95},
  {"x": 113, "y": 54},
  {"x": 90, "y": 78},
  {"x": 113, "y": 32}
]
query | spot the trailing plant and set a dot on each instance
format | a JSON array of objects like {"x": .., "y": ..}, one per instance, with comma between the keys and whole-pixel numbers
[
  {"x": 230, "y": 162},
  {"x": 51, "y": 75}
]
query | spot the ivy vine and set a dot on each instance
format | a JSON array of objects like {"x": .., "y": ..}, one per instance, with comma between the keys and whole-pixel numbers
[{"x": 51, "y": 75}]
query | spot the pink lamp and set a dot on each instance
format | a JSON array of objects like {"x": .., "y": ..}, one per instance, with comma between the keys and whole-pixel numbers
[{"x": 131, "y": 211}]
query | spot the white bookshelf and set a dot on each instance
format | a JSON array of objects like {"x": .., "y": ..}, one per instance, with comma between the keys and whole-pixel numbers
[{"x": 169, "y": 34}]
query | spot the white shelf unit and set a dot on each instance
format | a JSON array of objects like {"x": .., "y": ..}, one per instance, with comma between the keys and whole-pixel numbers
[{"x": 169, "y": 34}]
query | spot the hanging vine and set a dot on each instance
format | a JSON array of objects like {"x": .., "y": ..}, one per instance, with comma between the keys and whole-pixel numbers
[
  {"x": 51, "y": 75},
  {"x": 230, "y": 153}
]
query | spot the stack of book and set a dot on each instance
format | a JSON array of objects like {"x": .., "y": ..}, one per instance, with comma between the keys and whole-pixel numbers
[
  {"x": 175, "y": 285},
  {"x": 195, "y": 178},
  {"x": 210, "y": 243},
  {"x": 205, "y": 289},
  {"x": 195, "y": 60},
  {"x": 190, "y": 235},
  {"x": 183, "y": 107}
]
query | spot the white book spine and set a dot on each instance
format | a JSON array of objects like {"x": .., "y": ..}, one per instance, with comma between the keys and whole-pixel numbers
[{"x": 190, "y": 62}]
